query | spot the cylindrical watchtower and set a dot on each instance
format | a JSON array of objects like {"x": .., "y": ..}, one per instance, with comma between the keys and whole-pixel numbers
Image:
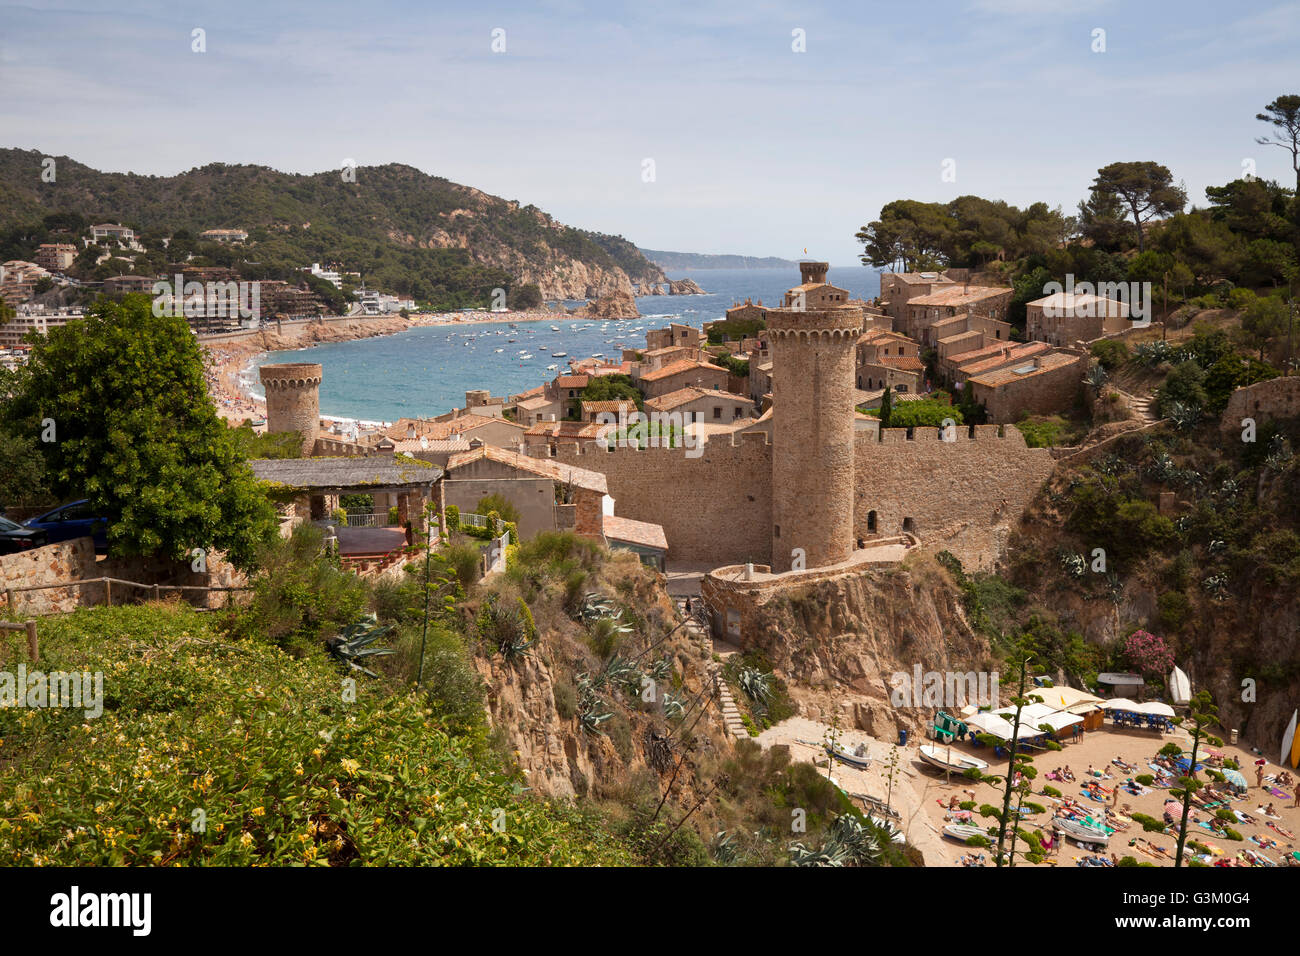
[
  {"x": 812, "y": 433},
  {"x": 293, "y": 400}
]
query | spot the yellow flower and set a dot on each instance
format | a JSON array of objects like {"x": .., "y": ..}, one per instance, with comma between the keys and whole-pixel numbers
[
  {"x": 350, "y": 765},
  {"x": 259, "y": 811},
  {"x": 245, "y": 838}
]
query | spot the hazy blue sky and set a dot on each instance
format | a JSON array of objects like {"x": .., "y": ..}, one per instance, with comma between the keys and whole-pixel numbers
[{"x": 757, "y": 149}]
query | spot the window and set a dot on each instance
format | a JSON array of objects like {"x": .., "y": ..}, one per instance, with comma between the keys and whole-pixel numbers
[
  {"x": 717, "y": 412},
  {"x": 909, "y": 525},
  {"x": 871, "y": 522},
  {"x": 776, "y": 531},
  {"x": 900, "y": 388}
]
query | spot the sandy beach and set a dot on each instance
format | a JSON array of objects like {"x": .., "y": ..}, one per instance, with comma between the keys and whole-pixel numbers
[{"x": 921, "y": 795}]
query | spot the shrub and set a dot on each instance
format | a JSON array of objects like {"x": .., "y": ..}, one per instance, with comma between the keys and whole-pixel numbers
[
  {"x": 465, "y": 561},
  {"x": 1145, "y": 779},
  {"x": 300, "y": 595},
  {"x": 453, "y": 518},
  {"x": 1051, "y": 792},
  {"x": 393, "y": 515},
  {"x": 496, "y": 504},
  {"x": 1172, "y": 609},
  {"x": 1109, "y": 353},
  {"x": 1148, "y": 654}
]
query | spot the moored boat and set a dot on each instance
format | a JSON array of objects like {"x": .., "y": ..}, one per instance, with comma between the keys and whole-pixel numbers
[{"x": 952, "y": 761}]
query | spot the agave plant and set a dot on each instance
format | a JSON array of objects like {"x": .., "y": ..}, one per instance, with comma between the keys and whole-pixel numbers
[
  {"x": 661, "y": 670},
  {"x": 887, "y": 829},
  {"x": 847, "y": 843},
  {"x": 595, "y": 606},
  {"x": 1097, "y": 377},
  {"x": 353, "y": 644},
  {"x": 755, "y": 683},
  {"x": 1184, "y": 415},
  {"x": 1279, "y": 453},
  {"x": 1073, "y": 564},
  {"x": 505, "y": 629},
  {"x": 724, "y": 847},
  {"x": 674, "y": 707},
  {"x": 1216, "y": 585},
  {"x": 593, "y": 717}
]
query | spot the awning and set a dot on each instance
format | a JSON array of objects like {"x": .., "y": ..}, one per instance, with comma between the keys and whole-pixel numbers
[
  {"x": 1118, "y": 703},
  {"x": 1154, "y": 708}
]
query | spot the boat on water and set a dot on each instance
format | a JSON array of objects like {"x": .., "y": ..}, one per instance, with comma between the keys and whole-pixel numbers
[
  {"x": 551, "y": 368},
  {"x": 949, "y": 760},
  {"x": 498, "y": 350},
  {"x": 857, "y": 757},
  {"x": 961, "y": 832},
  {"x": 555, "y": 328},
  {"x": 1080, "y": 832},
  {"x": 522, "y": 357},
  {"x": 543, "y": 347},
  {"x": 559, "y": 354}
]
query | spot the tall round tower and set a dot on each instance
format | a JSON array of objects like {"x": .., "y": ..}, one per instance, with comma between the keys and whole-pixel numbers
[
  {"x": 813, "y": 340},
  {"x": 293, "y": 400}
]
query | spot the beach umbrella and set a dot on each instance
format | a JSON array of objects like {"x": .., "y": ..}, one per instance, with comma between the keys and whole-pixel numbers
[
  {"x": 1155, "y": 708},
  {"x": 1235, "y": 779},
  {"x": 1118, "y": 703}
]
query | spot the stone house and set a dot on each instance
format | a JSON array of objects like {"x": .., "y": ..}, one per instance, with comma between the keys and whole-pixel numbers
[
  {"x": 1046, "y": 384},
  {"x": 925, "y": 310},
  {"x": 1068, "y": 318},
  {"x": 675, "y": 334},
  {"x": 958, "y": 368},
  {"x": 681, "y": 374},
  {"x": 899, "y": 288},
  {"x": 703, "y": 405}
]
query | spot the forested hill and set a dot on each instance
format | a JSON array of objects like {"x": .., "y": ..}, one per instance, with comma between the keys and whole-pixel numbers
[
  {"x": 404, "y": 230},
  {"x": 699, "y": 260}
]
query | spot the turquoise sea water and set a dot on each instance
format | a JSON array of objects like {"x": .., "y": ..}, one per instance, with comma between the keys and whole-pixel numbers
[{"x": 426, "y": 371}]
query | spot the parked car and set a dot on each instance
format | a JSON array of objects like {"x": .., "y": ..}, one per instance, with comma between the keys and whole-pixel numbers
[
  {"x": 14, "y": 537},
  {"x": 73, "y": 520}
]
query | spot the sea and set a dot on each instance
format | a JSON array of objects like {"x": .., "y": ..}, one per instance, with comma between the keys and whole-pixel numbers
[{"x": 425, "y": 371}]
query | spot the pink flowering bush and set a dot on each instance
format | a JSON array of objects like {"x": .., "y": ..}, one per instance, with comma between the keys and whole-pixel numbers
[{"x": 1148, "y": 654}]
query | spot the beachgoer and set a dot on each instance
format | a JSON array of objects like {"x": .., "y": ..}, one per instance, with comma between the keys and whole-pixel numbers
[
  {"x": 1297, "y": 796},
  {"x": 1259, "y": 776}
]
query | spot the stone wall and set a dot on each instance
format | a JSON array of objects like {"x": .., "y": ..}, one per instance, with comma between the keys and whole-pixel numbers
[
  {"x": 1048, "y": 392},
  {"x": 1276, "y": 398},
  {"x": 75, "y": 560},
  {"x": 964, "y": 496},
  {"x": 715, "y": 508},
  {"x": 533, "y": 497}
]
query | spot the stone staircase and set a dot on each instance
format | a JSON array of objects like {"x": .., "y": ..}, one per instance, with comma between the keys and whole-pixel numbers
[{"x": 731, "y": 721}]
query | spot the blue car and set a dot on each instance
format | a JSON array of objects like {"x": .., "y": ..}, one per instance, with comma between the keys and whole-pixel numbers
[{"x": 74, "y": 520}]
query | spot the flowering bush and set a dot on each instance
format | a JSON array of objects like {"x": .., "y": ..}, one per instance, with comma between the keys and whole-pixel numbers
[
  {"x": 236, "y": 754},
  {"x": 1148, "y": 654}
]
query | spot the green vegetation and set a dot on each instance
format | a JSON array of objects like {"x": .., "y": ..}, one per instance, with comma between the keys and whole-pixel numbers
[
  {"x": 925, "y": 412},
  {"x": 122, "y": 399},
  {"x": 218, "y": 753},
  {"x": 386, "y": 226}
]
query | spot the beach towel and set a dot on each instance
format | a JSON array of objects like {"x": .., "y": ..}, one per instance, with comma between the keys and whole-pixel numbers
[
  {"x": 1263, "y": 813},
  {"x": 1279, "y": 793},
  {"x": 1094, "y": 796},
  {"x": 1282, "y": 830},
  {"x": 1265, "y": 842}
]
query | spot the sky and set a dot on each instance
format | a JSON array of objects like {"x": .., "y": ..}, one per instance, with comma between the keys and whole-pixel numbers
[{"x": 747, "y": 127}]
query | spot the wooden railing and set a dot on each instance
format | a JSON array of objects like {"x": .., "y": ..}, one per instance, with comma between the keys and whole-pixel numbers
[
  {"x": 108, "y": 582},
  {"x": 33, "y": 646}
]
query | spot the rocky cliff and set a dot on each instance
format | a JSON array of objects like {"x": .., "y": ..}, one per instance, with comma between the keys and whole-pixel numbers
[
  {"x": 615, "y": 305},
  {"x": 837, "y": 643}
]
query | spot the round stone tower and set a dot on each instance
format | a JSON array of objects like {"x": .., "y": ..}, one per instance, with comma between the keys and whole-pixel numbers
[
  {"x": 293, "y": 400},
  {"x": 812, "y": 431}
]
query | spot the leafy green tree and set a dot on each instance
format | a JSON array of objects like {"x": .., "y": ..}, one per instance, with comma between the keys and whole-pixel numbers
[
  {"x": 22, "y": 470},
  {"x": 924, "y": 413},
  {"x": 609, "y": 388},
  {"x": 1185, "y": 384},
  {"x": 526, "y": 296},
  {"x": 887, "y": 407},
  {"x": 136, "y": 433},
  {"x": 1263, "y": 322},
  {"x": 1284, "y": 115},
  {"x": 505, "y": 510},
  {"x": 1145, "y": 189}
]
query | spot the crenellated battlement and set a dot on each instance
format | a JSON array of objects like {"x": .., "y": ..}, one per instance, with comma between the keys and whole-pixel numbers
[{"x": 959, "y": 434}]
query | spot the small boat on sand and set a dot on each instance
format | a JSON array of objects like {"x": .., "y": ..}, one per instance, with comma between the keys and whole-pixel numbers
[
  {"x": 949, "y": 760},
  {"x": 850, "y": 756},
  {"x": 1080, "y": 832},
  {"x": 961, "y": 832}
]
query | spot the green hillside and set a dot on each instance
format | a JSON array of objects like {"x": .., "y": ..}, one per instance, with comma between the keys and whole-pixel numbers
[{"x": 404, "y": 230}]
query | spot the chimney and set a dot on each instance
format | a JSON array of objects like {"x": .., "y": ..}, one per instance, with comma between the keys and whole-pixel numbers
[{"x": 410, "y": 429}]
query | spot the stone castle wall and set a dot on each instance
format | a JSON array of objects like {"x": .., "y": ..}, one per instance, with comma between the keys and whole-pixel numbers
[
  {"x": 715, "y": 509},
  {"x": 964, "y": 496}
]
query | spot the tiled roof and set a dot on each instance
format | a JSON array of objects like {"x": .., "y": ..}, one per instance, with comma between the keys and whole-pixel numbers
[
  {"x": 344, "y": 472},
  {"x": 425, "y": 428},
  {"x": 906, "y": 363},
  {"x": 571, "y": 381},
  {"x": 1066, "y": 304},
  {"x": 678, "y": 368},
  {"x": 690, "y": 393},
  {"x": 959, "y": 295},
  {"x": 533, "y": 404},
  {"x": 565, "y": 430},
  {"x": 408, "y": 446},
  {"x": 545, "y": 467},
  {"x": 613, "y": 405},
  {"x": 997, "y": 361},
  {"x": 1019, "y": 371},
  {"x": 643, "y": 533}
]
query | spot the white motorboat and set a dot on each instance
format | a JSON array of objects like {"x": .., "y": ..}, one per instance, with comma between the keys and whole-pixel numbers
[{"x": 949, "y": 760}]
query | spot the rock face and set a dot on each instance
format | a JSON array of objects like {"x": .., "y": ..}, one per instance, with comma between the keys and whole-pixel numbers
[
  {"x": 838, "y": 643},
  {"x": 670, "y": 287},
  {"x": 615, "y": 305}
]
